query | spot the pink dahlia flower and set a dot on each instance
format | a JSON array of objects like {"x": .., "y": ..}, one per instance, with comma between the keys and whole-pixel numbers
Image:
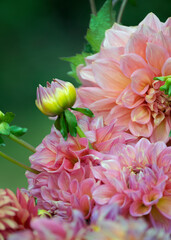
[
  {"x": 107, "y": 224},
  {"x": 52, "y": 229},
  {"x": 55, "y": 154},
  {"x": 118, "y": 81},
  {"x": 139, "y": 180},
  {"x": 16, "y": 211},
  {"x": 59, "y": 193}
]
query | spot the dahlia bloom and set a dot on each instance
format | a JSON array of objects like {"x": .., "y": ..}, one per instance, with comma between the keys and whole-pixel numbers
[
  {"x": 59, "y": 193},
  {"x": 54, "y": 228},
  {"x": 107, "y": 224},
  {"x": 55, "y": 154},
  {"x": 138, "y": 180},
  {"x": 118, "y": 81},
  {"x": 56, "y": 97},
  {"x": 16, "y": 211}
]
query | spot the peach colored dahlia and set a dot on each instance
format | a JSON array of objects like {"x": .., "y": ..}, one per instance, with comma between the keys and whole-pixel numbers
[
  {"x": 118, "y": 81},
  {"x": 138, "y": 180},
  {"x": 16, "y": 212}
]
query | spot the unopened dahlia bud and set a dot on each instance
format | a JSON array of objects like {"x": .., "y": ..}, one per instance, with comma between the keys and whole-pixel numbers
[{"x": 56, "y": 97}]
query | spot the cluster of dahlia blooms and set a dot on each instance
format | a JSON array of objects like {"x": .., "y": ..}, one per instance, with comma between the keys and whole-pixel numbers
[{"x": 113, "y": 180}]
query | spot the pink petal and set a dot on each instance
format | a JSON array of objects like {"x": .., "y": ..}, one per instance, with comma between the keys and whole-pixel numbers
[
  {"x": 86, "y": 186},
  {"x": 74, "y": 186},
  {"x": 161, "y": 132},
  {"x": 164, "y": 206},
  {"x": 159, "y": 221},
  {"x": 103, "y": 194},
  {"x": 166, "y": 70},
  {"x": 109, "y": 76},
  {"x": 103, "y": 105},
  {"x": 141, "y": 114},
  {"x": 156, "y": 56},
  {"x": 144, "y": 130},
  {"x": 86, "y": 76},
  {"x": 131, "y": 62},
  {"x": 141, "y": 80},
  {"x": 85, "y": 205},
  {"x": 129, "y": 99},
  {"x": 64, "y": 181},
  {"x": 121, "y": 113},
  {"x": 113, "y": 53},
  {"x": 123, "y": 28},
  {"x": 115, "y": 38},
  {"x": 152, "y": 198},
  {"x": 152, "y": 21},
  {"x": 137, "y": 44},
  {"x": 138, "y": 209}
]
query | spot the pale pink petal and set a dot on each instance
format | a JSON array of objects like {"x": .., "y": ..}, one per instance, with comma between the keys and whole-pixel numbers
[
  {"x": 129, "y": 99},
  {"x": 137, "y": 44},
  {"x": 166, "y": 70},
  {"x": 156, "y": 56},
  {"x": 160, "y": 221},
  {"x": 86, "y": 186},
  {"x": 121, "y": 113},
  {"x": 138, "y": 209},
  {"x": 115, "y": 38},
  {"x": 113, "y": 53},
  {"x": 161, "y": 132},
  {"x": 103, "y": 104},
  {"x": 152, "y": 21},
  {"x": 146, "y": 31},
  {"x": 103, "y": 194},
  {"x": 131, "y": 62},
  {"x": 141, "y": 114},
  {"x": 74, "y": 186},
  {"x": 144, "y": 130},
  {"x": 86, "y": 75},
  {"x": 89, "y": 95},
  {"x": 141, "y": 81},
  {"x": 123, "y": 28},
  {"x": 109, "y": 76},
  {"x": 91, "y": 58},
  {"x": 164, "y": 206}
]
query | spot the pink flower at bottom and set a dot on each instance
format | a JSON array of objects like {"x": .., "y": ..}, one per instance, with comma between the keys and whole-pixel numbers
[
  {"x": 59, "y": 193},
  {"x": 139, "y": 181},
  {"x": 16, "y": 211}
]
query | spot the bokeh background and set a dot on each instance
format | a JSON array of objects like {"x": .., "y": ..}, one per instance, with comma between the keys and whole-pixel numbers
[{"x": 34, "y": 35}]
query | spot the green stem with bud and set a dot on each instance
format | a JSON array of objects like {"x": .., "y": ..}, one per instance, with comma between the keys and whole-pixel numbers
[
  {"x": 123, "y": 5},
  {"x": 22, "y": 143},
  {"x": 81, "y": 134},
  {"x": 10, "y": 159}
]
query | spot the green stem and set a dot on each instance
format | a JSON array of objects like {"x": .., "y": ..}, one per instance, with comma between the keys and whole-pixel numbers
[
  {"x": 10, "y": 159},
  {"x": 93, "y": 7},
  {"x": 123, "y": 5},
  {"x": 22, "y": 143},
  {"x": 82, "y": 135}
]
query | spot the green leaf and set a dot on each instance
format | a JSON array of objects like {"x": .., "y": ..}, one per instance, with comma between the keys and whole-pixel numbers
[
  {"x": 17, "y": 131},
  {"x": 2, "y": 144},
  {"x": 4, "y": 128},
  {"x": 8, "y": 117},
  {"x": 133, "y": 2},
  {"x": 74, "y": 62},
  {"x": 85, "y": 111},
  {"x": 63, "y": 127},
  {"x": 99, "y": 24},
  {"x": 170, "y": 134},
  {"x": 57, "y": 123},
  {"x": 71, "y": 122}
]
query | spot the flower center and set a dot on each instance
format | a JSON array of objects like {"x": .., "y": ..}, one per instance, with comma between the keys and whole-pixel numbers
[{"x": 158, "y": 102}]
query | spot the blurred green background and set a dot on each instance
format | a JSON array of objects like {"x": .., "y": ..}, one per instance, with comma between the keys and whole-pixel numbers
[{"x": 34, "y": 35}]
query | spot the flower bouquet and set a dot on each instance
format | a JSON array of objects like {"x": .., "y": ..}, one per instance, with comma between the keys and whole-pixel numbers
[{"x": 104, "y": 171}]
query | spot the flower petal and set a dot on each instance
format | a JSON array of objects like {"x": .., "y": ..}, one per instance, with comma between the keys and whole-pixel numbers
[
  {"x": 166, "y": 70},
  {"x": 138, "y": 209},
  {"x": 144, "y": 130},
  {"x": 164, "y": 206},
  {"x": 141, "y": 114}
]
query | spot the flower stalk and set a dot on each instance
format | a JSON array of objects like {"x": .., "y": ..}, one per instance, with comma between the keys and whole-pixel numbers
[
  {"x": 120, "y": 14},
  {"x": 93, "y": 7},
  {"x": 22, "y": 142},
  {"x": 10, "y": 159}
]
